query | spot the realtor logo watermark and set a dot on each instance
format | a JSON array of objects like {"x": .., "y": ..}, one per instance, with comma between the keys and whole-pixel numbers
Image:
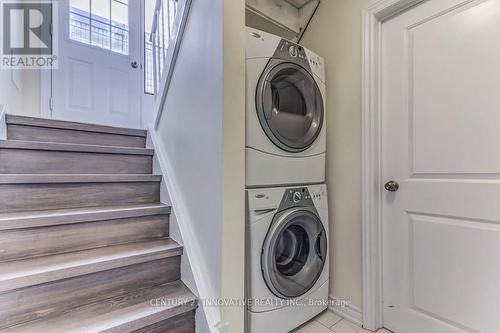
[{"x": 28, "y": 34}]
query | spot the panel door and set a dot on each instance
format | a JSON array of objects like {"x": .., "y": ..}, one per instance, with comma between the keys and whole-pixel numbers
[
  {"x": 99, "y": 74},
  {"x": 441, "y": 143}
]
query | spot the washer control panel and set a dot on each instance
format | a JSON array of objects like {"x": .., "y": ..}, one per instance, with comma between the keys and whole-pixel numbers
[
  {"x": 317, "y": 194},
  {"x": 263, "y": 201},
  {"x": 295, "y": 197}
]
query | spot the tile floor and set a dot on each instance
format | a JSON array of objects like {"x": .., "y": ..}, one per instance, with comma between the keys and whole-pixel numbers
[{"x": 329, "y": 322}]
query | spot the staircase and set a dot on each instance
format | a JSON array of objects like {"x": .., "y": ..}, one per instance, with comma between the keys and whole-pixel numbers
[{"x": 84, "y": 240}]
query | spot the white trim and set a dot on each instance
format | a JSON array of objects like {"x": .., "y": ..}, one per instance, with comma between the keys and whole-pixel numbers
[
  {"x": 3, "y": 125},
  {"x": 349, "y": 311},
  {"x": 373, "y": 17},
  {"x": 46, "y": 84},
  {"x": 45, "y": 95},
  {"x": 191, "y": 246}
]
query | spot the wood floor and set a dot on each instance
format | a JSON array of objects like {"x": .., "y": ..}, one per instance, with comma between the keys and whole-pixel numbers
[{"x": 84, "y": 238}]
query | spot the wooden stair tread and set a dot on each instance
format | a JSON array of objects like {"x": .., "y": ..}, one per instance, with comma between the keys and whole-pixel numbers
[
  {"x": 39, "y": 218},
  {"x": 33, "y": 271},
  {"x": 72, "y": 147},
  {"x": 76, "y": 178},
  {"x": 121, "y": 314},
  {"x": 77, "y": 126}
]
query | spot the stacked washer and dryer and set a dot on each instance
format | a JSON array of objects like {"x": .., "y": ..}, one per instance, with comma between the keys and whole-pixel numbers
[{"x": 287, "y": 260}]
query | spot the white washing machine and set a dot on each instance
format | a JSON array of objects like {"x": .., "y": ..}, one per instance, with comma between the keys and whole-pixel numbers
[
  {"x": 287, "y": 257},
  {"x": 285, "y": 112}
]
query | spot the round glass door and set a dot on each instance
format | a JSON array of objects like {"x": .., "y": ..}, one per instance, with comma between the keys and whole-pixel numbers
[
  {"x": 289, "y": 106},
  {"x": 294, "y": 253}
]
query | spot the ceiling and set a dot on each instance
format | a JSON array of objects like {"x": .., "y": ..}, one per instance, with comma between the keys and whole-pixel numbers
[{"x": 298, "y": 3}]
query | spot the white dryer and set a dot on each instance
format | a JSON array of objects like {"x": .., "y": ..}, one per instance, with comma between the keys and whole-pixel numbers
[
  {"x": 285, "y": 112},
  {"x": 287, "y": 257}
]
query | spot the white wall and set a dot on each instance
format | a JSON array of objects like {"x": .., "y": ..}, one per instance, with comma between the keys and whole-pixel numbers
[
  {"x": 335, "y": 33},
  {"x": 22, "y": 100},
  {"x": 201, "y": 136},
  {"x": 20, "y": 89},
  {"x": 190, "y": 132}
]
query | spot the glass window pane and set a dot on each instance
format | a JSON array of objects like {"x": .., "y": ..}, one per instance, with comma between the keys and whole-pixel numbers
[
  {"x": 119, "y": 23},
  {"x": 100, "y": 22},
  {"x": 82, "y": 5},
  {"x": 79, "y": 20},
  {"x": 119, "y": 13},
  {"x": 101, "y": 10},
  {"x": 149, "y": 7},
  {"x": 166, "y": 35},
  {"x": 119, "y": 40}
]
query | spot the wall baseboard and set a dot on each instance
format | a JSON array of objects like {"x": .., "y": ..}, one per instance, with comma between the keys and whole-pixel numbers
[
  {"x": 3, "y": 124},
  {"x": 346, "y": 310},
  {"x": 191, "y": 246}
]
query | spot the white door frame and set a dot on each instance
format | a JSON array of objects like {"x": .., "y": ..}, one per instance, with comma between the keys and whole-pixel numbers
[
  {"x": 46, "y": 87},
  {"x": 45, "y": 93},
  {"x": 373, "y": 17}
]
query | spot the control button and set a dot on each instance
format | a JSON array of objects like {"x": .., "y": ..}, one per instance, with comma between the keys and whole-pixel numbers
[
  {"x": 297, "y": 196},
  {"x": 293, "y": 51}
]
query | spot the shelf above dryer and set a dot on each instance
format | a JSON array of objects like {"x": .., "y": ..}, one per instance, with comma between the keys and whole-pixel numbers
[{"x": 285, "y": 18}]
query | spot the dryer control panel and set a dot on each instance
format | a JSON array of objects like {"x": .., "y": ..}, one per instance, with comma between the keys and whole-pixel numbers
[{"x": 293, "y": 52}]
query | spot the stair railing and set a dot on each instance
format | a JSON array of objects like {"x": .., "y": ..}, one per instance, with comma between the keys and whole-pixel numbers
[{"x": 169, "y": 21}]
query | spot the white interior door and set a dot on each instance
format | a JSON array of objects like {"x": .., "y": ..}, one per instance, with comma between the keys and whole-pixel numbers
[
  {"x": 441, "y": 143},
  {"x": 99, "y": 74}
]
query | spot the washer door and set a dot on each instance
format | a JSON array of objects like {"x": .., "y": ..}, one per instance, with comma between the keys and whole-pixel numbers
[
  {"x": 294, "y": 253},
  {"x": 289, "y": 106}
]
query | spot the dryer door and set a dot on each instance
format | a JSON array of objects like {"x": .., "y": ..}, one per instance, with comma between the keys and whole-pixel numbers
[
  {"x": 294, "y": 253},
  {"x": 289, "y": 105}
]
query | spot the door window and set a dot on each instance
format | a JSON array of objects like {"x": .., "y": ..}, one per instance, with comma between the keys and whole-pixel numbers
[
  {"x": 289, "y": 106},
  {"x": 292, "y": 250},
  {"x": 294, "y": 253},
  {"x": 101, "y": 23}
]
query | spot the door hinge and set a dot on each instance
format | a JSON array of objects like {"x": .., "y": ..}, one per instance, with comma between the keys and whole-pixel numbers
[{"x": 51, "y": 103}]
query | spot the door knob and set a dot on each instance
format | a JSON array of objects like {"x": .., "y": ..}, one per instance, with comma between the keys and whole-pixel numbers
[
  {"x": 134, "y": 64},
  {"x": 392, "y": 186}
]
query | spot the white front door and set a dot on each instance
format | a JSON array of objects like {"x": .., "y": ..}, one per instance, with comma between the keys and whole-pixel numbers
[
  {"x": 441, "y": 142},
  {"x": 99, "y": 74}
]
